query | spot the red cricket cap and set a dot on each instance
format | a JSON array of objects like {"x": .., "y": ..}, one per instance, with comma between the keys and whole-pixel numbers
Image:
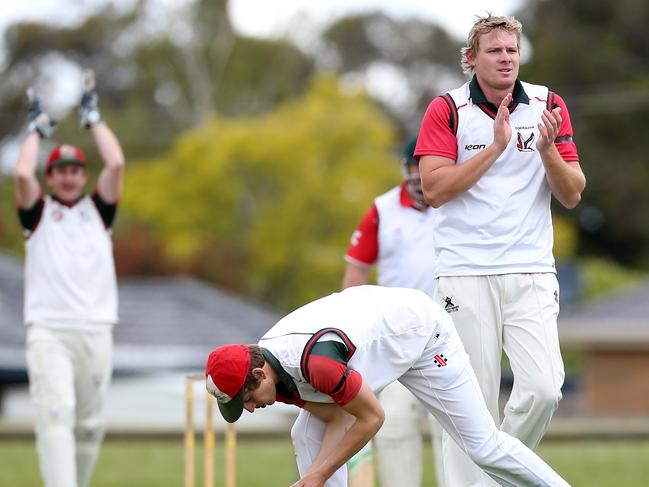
[
  {"x": 65, "y": 154},
  {"x": 225, "y": 375}
]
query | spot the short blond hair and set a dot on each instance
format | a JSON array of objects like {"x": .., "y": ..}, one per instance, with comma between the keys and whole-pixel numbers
[{"x": 485, "y": 25}]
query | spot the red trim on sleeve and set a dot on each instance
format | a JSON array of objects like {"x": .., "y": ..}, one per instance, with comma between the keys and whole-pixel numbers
[
  {"x": 452, "y": 118},
  {"x": 296, "y": 401},
  {"x": 364, "y": 244},
  {"x": 306, "y": 353},
  {"x": 568, "y": 150},
  {"x": 326, "y": 375},
  {"x": 435, "y": 135},
  {"x": 350, "y": 388}
]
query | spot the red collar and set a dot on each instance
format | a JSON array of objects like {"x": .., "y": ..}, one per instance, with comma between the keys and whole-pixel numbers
[{"x": 406, "y": 200}]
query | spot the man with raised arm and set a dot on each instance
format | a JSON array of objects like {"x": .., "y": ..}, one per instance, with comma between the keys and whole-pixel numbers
[{"x": 70, "y": 291}]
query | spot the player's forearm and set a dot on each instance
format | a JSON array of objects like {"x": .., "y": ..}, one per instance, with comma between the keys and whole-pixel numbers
[
  {"x": 27, "y": 187},
  {"x": 355, "y": 275},
  {"x": 566, "y": 179},
  {"x": 111, "y": 178},
  {"x": 447, "y": 182},
  {"x": 108, "y": 146},
  {"x": 338, "y": 450},
  {"x": 28, "y": 156},
  {"x": 334, "y": 432}
]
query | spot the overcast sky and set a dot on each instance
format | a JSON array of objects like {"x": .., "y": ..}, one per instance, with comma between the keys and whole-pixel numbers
[
  {"x": 258, "y": 17},
  {"x": 268, "y": 18}
]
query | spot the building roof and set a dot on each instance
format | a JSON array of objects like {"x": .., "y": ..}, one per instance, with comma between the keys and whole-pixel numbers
[
  {"x": 165, "y": 322},
  {"x": 617, "y": 321}
]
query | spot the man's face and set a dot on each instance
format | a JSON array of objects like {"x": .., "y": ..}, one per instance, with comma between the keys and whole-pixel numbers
[
  {"x": 261, "y": 397},
  {"x": 497, "y": 60},
  {"x": 67, "y": 181}
]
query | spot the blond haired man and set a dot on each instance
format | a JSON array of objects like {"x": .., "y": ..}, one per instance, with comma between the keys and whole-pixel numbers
[{"x": 492, "y": 152}]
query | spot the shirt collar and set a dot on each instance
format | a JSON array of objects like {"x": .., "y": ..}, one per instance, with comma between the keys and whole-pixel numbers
[
  {"x": 406, "y": 201},
  {"x": 477, "y": 95},
  {"x": 286, "y": 386},
  {"x": 69, "y": 205}
]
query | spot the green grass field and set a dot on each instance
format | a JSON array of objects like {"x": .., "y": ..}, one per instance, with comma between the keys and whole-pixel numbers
[{"x": 269, "y": 463}]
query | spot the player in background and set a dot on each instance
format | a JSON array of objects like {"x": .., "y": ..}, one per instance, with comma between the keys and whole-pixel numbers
[
  {"x": 330, "y": 358},
  {"x": 492, "y": 152},
  {"x": 70, "y": 291},
  {"x": 396, "y": 235}
]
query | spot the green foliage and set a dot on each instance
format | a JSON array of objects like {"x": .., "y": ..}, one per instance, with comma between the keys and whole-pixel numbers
[
  {"x": 422, "y": 53},
  {"x": 566, "y": 238},
  {"x": 10, "y": 234},
  {"x": 154, "y": 83},
  {"x": 265, "y": 205},
  {"x": 595, "y": 54},
  {"x": 602, "y": 277}
]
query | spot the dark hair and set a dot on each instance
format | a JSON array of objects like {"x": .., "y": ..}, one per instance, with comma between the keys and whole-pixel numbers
[{"x": 257, "y": 361}]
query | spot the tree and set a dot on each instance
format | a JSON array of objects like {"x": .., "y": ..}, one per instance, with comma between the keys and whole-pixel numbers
[
  {"x": 595, "y": 54},
  {"x": 154, "y": 82},
  {"x": 420, "y": 58},
  {"x": 265, "y": 205}
]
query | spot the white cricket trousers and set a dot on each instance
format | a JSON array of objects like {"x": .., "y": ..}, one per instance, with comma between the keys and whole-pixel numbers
[
  {"x": 517, "y": 314},
  {"x": 398, "y": 444},
  {"x": 69, "y": 373},
  {"x": 451, "y": 393}
]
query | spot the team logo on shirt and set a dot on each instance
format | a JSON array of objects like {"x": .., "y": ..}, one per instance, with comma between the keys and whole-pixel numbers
[
  {"x": 523, "y": 144},
  {"x": 449, "y": 306},
  {"x": 57, "y": 215},
  {"x": 440, "y": 360},
  {"x": 475, "y": 146},
  {"x": 356, "y": 237}
]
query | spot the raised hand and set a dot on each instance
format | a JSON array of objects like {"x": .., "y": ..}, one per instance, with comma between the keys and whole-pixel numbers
[
  {"x": 88, "y": 110},
  {"x": 39, "y": 119},
  {"x": 502, "y": 128},
  {"x": 548, "y": 129}
]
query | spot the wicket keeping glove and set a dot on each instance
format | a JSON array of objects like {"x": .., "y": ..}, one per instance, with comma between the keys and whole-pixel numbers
[
  {"x": 39, "y": 119},
  {"x": 88, "y": 111}
]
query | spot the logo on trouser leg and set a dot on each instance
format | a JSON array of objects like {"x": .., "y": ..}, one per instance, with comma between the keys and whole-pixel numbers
[
  {"x": 440, "y": 360},
  {"x": 450, "y": 307}
]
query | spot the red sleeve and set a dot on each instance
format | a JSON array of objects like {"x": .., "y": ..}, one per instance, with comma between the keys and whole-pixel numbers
[
  {"x": 435, "y": 135},
  {"x": 565, "y": 145},
  {"x": 364, "y": 245},
  {"x": 334, "y": 378},
  {"x": 296, "y": 401}
]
